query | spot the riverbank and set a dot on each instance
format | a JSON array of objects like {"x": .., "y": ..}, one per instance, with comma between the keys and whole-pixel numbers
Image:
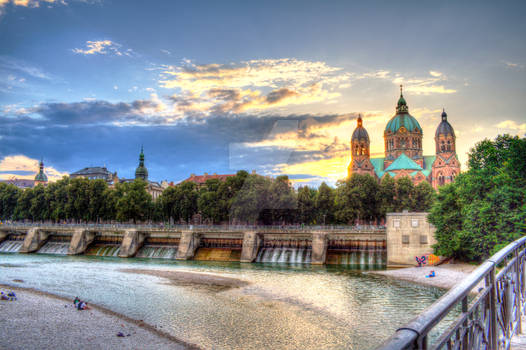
[
  {"x": 40, "y": 320},
  {"x": 446, "y": 275}
]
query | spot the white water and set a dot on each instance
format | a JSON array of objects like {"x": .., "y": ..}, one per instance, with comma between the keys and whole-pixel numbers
[
  {"x": 105, "y": 250},
  {"x": 284, "y": 255},
  {"x": 10, "y": 246},
  {"x": 60, "y": 248},
  {"x": 157, "y": 252}
]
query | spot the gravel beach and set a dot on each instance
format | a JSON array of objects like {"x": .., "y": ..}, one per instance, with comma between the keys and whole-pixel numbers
[
  {"x": 447, "y": 275},
  {"x": 39, "y": 320}
]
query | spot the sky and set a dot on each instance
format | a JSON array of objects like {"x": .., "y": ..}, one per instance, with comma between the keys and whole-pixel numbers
[{"x": 271, "y": 86}]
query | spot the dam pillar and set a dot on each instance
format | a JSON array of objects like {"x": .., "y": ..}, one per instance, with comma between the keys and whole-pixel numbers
[
  {"x": 80, "y": 241},
  {"x": 131, "y": 242},
  {"x": 35, "y": 239},
  {"x": 187, "y": 245},
  {"x": 319, "y": 248},
  {"x": 251, "y": 243},
  {"x": 3, "y": 236}
]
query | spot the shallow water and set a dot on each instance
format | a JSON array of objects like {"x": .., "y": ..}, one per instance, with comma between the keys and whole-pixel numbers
[{"x": 284, "y": 307}]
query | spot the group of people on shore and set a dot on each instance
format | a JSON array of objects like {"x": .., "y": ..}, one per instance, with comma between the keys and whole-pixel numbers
[
  {"x": 80, "y": 305},
  {"x": 10, "y": 296}
]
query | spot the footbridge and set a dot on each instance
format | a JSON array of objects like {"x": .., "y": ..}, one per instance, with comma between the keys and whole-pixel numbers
[{"x": 488, "y": 304}]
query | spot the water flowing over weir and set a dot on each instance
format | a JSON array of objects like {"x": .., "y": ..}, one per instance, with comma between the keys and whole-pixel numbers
[
  {"x": 219, "y": 249},
  {"x": 159, "y": 248},
  {"x": 357, "y": 253},
  {"x": 56, "y": 244},
  {"x": 12, "y": 244},
  {"x": 285, "y": 252},
  {"x": 105, "y": 246}
]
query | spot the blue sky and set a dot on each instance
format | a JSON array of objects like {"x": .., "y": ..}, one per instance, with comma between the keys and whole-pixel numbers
[{"x": 275, "y": 86}]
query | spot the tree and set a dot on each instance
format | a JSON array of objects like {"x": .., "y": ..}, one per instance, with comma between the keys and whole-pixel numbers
[
  {"x": 485, "y": 208},
  {"x": 23, "y": 205},
  {"x": 404, "y": 194},
  {"x": 386, "y": 196},
  {"x": 356, "y": 199},
  {"x": 423, "y": 197},
  {"x": 135, "y": 203},
  {"x": 8, "y": 198},
  {"x": 306, "y": 205},
  {"x": 325, "y": 204},
  {"x": 248, "y": 204},
  {"x": 208, "y": 203}
]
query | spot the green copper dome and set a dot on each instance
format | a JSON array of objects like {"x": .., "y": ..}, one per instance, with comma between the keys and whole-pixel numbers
[
  {"x": 402, "y": 118},
  {"x": 41, "y": 177},
  {"x": 141, "y": 172}
]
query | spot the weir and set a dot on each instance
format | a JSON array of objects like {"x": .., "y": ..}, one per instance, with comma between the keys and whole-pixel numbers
[{"x": 357, "y": 247}]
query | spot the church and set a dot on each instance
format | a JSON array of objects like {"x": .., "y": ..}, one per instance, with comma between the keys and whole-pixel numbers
[{"x": 403, "y": 150}]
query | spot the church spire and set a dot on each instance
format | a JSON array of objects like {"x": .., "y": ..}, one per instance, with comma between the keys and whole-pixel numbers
[
  {"x": 402, "y": 105},
  {"x": 141, "y": 172}
]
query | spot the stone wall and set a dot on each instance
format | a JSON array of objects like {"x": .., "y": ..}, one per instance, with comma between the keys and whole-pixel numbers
[{"x": 408, "y": 235}]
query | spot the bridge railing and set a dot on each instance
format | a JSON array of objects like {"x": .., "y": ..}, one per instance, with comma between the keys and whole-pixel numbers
[
  {"x": 488, "y": 321},
  {"x": 208, "y": 228}
]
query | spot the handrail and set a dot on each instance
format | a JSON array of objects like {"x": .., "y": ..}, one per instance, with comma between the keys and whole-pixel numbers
[
  {"x": 167, "y": 227},
  {"x": 502, "y": 300}
]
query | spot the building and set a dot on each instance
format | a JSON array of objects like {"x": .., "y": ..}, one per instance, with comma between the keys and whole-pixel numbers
[
  {"x": 403, "y": 150},
  {"x": 153, "y": 188},
  {"x": 200, "y": 180},
  {"x": 20, "y": 183},
  {"x": 95, "y": 173}
]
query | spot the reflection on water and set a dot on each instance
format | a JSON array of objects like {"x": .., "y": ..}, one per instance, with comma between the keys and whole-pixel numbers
[{"x": 283, "y": 307}]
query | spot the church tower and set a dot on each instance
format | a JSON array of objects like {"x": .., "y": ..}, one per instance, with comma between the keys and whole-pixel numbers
[
  {"x": 41, "y": 177},
  {"x": 360, "y": 145},
  {"x": 446, "y": 165},
  {"x": 141, "y": 172},
  {"x": 403, "y": 135}
]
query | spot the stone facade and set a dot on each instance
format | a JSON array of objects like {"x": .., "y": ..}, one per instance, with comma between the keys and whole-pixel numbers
[
  {"x": 408, "y": 235},
  {"x": 403, "y": 151}
]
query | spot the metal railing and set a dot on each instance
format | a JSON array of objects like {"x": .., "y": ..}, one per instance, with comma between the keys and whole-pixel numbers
[
  {"x": 489, "y": 321},
  {"x": 210, "y": 228}
]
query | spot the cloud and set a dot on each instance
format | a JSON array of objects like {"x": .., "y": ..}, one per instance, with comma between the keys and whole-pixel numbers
[
  {"x": 254, "y": 85},
  {"x": 512, "y": 65},
  {"x": 434, "y": 83},
  {"x": 103, "y": 47},
  {"x": 512, "y": 125},
  {"x": 16, "y": 65},
  {"x": 22, "y": 167}
]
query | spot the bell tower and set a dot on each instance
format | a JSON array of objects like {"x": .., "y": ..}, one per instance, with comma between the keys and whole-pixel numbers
[
  {"x": 446, "y": 165},
  {"x": 360, "y": 156}
]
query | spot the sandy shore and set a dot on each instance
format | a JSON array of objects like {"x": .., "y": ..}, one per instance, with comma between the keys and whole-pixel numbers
[
  {"x": 39, "y": 320},
  {"x": 447, "y": 275},
  {"x": 194, "y": 279}
]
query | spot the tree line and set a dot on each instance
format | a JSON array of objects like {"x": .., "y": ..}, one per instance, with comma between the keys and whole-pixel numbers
[{"x": 240, "y": 199}]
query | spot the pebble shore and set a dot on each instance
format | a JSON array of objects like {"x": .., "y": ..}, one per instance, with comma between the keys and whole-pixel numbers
[{"x": 39, "y": 320}]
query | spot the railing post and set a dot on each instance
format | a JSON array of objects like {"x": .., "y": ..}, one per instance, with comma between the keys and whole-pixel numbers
[
  {"x": 493, "y": 309},
  {"x": 465, "y": 340},
  {"x": 518, "y": 289}
]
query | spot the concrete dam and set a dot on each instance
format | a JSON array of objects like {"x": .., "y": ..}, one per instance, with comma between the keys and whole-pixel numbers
[
  {"x": 342, "y": 246},
  {"x": 404, "y": 237}
]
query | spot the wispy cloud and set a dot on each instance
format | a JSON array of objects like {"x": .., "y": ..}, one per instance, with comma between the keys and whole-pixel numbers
[
  {"x": 434, "y": 83},
  {"x": 512, "y": 125},
  {"x": 103, "y": 47},
  {"x": 513, "y": 65},
  {"x": 22, "y": 167},
  {"x": 253, "y": 85},
  {"x": 10, "y": 64}
]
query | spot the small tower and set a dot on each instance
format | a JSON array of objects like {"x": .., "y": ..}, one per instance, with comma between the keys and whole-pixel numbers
[
  {"x": 41, "y": 177},
  {"x": 360, "y": 156},
  {"x": 446, "y": 165},
  {"x": 141, "y": 172}
]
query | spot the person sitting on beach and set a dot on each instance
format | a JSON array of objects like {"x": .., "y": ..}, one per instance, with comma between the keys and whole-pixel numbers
[
  {"x": 77, "y": 300},
  {"x": 431, "y": 274},
  {"x": 80, "y": 305},
  {"x": 4, "y": 296},
  {"x": 11, "y": 296}
]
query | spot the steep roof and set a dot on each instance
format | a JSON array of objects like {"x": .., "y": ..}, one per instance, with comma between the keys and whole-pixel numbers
[
  {"x": 201, "y": 179},
  {"x": 403, "y": 162}
]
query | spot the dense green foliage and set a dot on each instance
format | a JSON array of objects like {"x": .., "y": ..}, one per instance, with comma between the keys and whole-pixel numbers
[
  {"x": 485, "y": 208},
  {"x": 242, "y": 199}
]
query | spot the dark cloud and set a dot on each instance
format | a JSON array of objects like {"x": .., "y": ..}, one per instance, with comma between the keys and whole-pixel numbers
[{"x": 280, "y": 94}]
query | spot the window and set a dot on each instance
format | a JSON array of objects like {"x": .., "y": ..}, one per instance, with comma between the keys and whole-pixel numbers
[
  {"x": 396, "y": 223},
  {"x": 423, "y": 239},
  {"x": 414, "y": 223},
  {"x": 405, "y": 239}
]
